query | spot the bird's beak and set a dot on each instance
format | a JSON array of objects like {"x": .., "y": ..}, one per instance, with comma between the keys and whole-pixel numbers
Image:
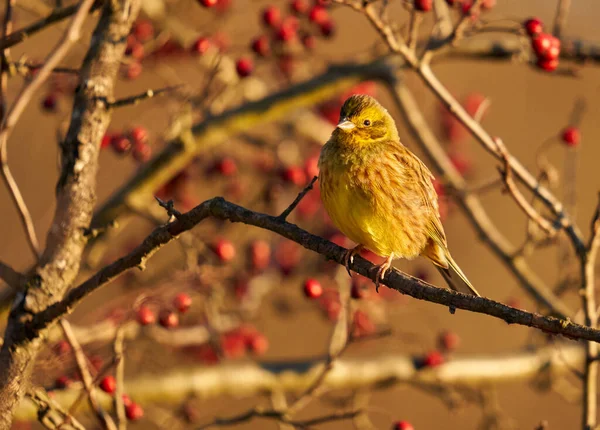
[{"x": 345, "y": 124}]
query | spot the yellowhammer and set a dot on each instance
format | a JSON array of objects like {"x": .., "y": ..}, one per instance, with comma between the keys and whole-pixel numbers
[{"x": 380, "y": 194}]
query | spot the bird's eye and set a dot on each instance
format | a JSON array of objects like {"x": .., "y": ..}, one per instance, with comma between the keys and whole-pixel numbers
[{"x": 367, "y": 122}]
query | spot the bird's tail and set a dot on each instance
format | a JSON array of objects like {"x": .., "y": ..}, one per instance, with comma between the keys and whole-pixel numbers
[{"x": 456, "y": 279}]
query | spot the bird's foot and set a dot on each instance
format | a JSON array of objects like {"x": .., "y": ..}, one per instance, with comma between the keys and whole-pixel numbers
[
  {"x": 382, "y": 270},
  {"x": 349, "y": 257}
]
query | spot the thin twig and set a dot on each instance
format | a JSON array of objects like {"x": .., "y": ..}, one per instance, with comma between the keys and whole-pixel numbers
[
  {"x": 6, "y": 29},
  {"x": 278, "y": 416},
  {"x": 120, "y": 377},
  {"x": 50, "y": 413},
  {"x": 9, "y": 275},
  {"x": 283, "y": 216},
  {"x": 133, "y": 100},
  {"x": 519, "y": 198},
  {"x": 467, "y": 19},
  {"x": 590, "y": 383},
  {"x": 413, "y": 30},
  {"x": 56, "y": 16},
  {"x": 560, "y": 19},
  {"x": 71, "y": 36},
  {"x": 86, "y": 376}
]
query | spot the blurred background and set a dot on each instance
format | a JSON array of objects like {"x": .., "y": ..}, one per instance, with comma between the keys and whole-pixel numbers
[{"x": 256, "y": 277}]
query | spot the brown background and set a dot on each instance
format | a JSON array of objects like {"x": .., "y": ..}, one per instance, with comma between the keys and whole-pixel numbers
[{"x": 527, "y": 108}]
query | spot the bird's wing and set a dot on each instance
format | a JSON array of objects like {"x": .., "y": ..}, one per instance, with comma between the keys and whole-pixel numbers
[{"x": 424, "y": 180}]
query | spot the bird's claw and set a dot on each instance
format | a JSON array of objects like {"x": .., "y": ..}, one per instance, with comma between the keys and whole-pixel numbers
[
  {"x": 382, "y": 269},
  {"x": 349, "y": 257}
]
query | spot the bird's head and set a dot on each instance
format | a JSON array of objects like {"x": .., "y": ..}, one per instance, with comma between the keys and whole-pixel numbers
[{"x": 364, "y": 120}]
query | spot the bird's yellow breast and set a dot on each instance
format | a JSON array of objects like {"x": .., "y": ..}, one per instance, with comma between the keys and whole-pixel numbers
[{"x": 368, "y": 204}]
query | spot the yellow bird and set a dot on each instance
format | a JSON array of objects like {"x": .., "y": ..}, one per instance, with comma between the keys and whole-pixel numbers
[{"x": 381, "y": 195}]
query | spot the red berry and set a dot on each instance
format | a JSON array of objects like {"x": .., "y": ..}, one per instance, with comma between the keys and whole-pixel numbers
[
  {"x": 224, "y": 250},
  {"x": 546, "y": 46},
  {"x": 133, "y": 70},
  {"x": 533, "y": 26},
  {"x": 62, "y": 347},
  {"x": 309, "y": 41},
  {"x": 139, "y": 134},
  {"x": 271, "y": 16},
  {"x": 233, "y": 344},
  {"x": 260, "y": 254},
  {"x": 327, "y": 29},
  {"x": 226, "y": 166},
  {"x": 448, "y": 341},
  {"x": 182, "y": 302},
  {"x": 547, "y": 65},
  {"x": 488, "y": 4},
  {"x": 244, "y": 67},
  {"x": 294, "y": 175},
  {"x": 201, "y": 46},
  {"x": 126, "y": 400},
  {"x": 261, "y": 46},
  {"x": 402, "y": 425},
  {"x": 571, "y": 136},
  {"x": 299, "y": 7},
  {"x": 169, "y": 319},
  {"x": 62, "y": 382},
  {"x": 257, "y": 343},
  {"x": 143, "y": 30},
  {"x": 312, "y": 288},
  {"x": 108, "y": 384},
  {"x": 318, "y": 15},
  {"x": 286, "y": 33},
  {"x": 433, "y": 359},
  {"x": 120, "y": 144},
  {"x": 362, "y": 324},
  {"x": 208, "y": 3},
  {"x": 135, "y": 50},
  {"x": 287, "y": 256},
  {"x": 106, "y": 139},
  {"x": 145, "y": 315},
  {"x": 134, "y": 412},
  {"x": 358, "y": 291},
  {"x": 50, "y": 103},
  {"x": 141, "y": 152},
  {"x": 423, "y": 5}
]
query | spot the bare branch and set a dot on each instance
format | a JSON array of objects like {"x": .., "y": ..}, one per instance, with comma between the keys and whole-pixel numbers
[
  {"x": 75, "y": 195},
  {"x": 375, "y": 372},
  {"x": 221, "y": 209},
  {"x": 120, "y": 359},
  {"x": 560, "y": 19},
  {"x": 133, "y": 100},
  {"x": 9, "y": 275},
  {"x": 56, "y": 16},
  {"x": 298, "y": 198},
  {"x": 86, "y": 377},
  {"x": 588, "y": 296},
  {"x": 519, "y": 198}
]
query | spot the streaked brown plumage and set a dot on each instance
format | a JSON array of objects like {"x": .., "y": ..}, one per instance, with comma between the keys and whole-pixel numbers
[{"x": 380, "y": 194}]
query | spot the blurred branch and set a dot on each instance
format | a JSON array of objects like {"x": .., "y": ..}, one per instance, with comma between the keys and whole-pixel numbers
[
  {"x": 133, "y": 100},
  {"x": 86, "y": 377},
  {"x": 50, "y": 413},
  {"x": 56, "y": 16},
  {"x": 471, "y": 204},
  {"x": 75, "y": 193},
  {"x": 9, "y": 275},
  {"x": 278, "y": 416},
  {"x": 588, "y": 296},
  {"x": 374, "y": 372},
  {"x": 118, "y": 347},
  {"x": 560, "y": 20},
  {"x": 221, "y": 209}
]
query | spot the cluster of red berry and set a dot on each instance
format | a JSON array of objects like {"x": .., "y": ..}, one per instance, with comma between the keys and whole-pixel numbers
[
  {"x": 545, "y": 46},
  {"x": 134, "y": 141}
]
